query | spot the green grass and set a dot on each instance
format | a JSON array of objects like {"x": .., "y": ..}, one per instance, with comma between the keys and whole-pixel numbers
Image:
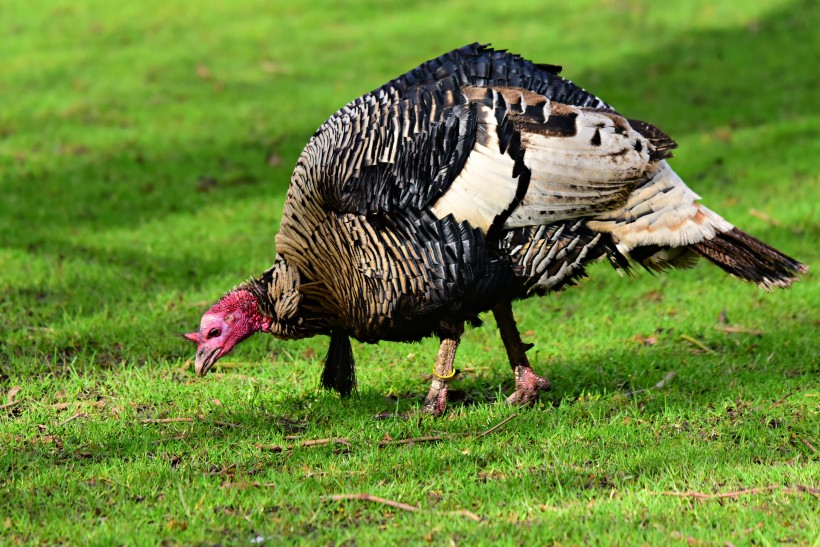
[{"x": 145, "y": 149}]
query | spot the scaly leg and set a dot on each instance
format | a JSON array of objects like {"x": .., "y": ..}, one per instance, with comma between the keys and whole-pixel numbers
[
  {"x": 527, "y": 383},
  {"x": 443, "y": 374}
]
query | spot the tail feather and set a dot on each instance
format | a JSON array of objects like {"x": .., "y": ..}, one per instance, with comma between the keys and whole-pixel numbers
[{"x": 750, "y": 259}]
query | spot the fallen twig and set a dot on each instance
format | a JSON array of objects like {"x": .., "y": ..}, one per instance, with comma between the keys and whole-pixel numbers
[
  {"x": 660, "y": 385},
  {"x": 9, "y": 405},
  {"x": 303, "y": 444},
  {"x": 437, "y": 438},
  {"x": 319, "y": 442},
  {"x": 783, "y": 398},
  {"x": 668, "y": 378},
  {"x": 697, "y": 343},
  {"x": 744, "y": 492},
  {"x": 497, "y": 426},
  {"x": 396, "y": 504},
  {"x": 368, "y": 497},
  {"x": 805, "y": 442}
]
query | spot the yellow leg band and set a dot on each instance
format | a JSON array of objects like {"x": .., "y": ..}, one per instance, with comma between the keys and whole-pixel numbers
[{"x": 444, "y": 378}]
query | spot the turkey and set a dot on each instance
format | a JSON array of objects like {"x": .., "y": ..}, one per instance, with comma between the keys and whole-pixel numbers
[{"x": 475, "y": 179}]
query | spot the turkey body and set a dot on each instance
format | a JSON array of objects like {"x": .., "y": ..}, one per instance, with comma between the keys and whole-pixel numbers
[{"x": 473, "y": 180}]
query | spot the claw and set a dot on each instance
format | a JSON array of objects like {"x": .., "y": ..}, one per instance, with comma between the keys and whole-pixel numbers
[
  {"x": 436, "y": 401},
  {"x": 528, "y": 386}
]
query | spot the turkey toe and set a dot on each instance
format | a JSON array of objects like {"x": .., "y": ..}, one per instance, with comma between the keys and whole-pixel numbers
[
  {"x": 527, "y": 387},
  {"x": 436, "y": 401}
]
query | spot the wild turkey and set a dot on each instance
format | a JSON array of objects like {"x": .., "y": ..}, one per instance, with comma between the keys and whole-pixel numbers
[{"x": 473, "y": 180}]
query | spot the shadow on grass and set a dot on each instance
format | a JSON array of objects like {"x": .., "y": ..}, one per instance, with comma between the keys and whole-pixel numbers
[
  {"x": 702, "y": 381},
  {"x": 732, "y": 364}
]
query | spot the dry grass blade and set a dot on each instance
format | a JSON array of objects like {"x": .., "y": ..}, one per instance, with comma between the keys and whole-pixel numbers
[
  {"x": 671, "y": 375},
  {"x": 165, "y": 420},
  {"x": 368, "y": 497},
  {"x": 182, "y": 499},
  {"x": 465, "y": 513},
  {"x": 74, "y": 417},
  {"x": 694, "y": 341},
  {"x": 9, "y": 405},
  {"x": 199, "y": 418},
  {"x": 737, "y": 329},
  {"x": 668, "y": 378},
  {"x": 734, "y": 494},
  {"x": 744, "y": 492},
  {"x": 412, "y": 440}
]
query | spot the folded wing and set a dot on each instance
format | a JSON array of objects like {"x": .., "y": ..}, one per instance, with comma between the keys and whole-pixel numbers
[{"x": 535, "y": 161}]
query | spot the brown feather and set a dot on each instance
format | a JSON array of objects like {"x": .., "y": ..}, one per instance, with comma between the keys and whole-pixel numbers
[{"x": 750, "y": 259}]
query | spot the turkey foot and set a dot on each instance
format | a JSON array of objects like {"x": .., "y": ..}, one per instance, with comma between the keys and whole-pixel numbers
[
  {"x": 443, "y": 374},
  {"x": 527, "y": 386}
]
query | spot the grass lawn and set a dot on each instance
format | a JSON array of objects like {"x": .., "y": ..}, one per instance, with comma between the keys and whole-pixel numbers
[{"x": 145, "y": 150}]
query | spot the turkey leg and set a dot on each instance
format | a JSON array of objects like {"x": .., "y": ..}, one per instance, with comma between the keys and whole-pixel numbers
[
  {"x": 527, "y": 384},
  {"x": 443, "y": 374}
]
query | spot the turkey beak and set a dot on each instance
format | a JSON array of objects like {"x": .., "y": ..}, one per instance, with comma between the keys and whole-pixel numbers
[{"x": 205, "y": 359}]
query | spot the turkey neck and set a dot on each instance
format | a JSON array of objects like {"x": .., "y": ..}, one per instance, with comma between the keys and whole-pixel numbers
[{"x": 279, "y": 297}]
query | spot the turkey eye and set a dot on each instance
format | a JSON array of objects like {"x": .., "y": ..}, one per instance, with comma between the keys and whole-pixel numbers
[{"x": 213, "y": 333}]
